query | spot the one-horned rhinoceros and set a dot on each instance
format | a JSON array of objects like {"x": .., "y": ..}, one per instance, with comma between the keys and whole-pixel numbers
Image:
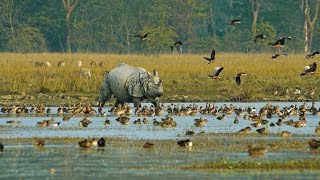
[{"x": 131, "y": 84}]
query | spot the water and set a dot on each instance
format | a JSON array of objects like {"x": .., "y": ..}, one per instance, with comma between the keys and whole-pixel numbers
[{"x": 128, "y": 160}]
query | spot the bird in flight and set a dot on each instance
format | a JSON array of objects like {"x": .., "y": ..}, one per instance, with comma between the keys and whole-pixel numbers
[
  {"x": 280, "y": 42},
  {"x": 212, "y": 57},
  {"x": 238, "y": 80},
  {"x": 277, "y": 55},
  {"x": 235, "y": 21},
  {"x": 311, "y": 69},
  {"x": 260, "y": 36},
  {"x": 144, "y": 37},
  {"x": 178, "y": 43},
  {"x": 311, "y": 55},
  {"x": 216, "y": 72}
]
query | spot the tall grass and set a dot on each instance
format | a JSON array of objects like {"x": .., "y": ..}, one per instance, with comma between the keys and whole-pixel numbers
[{"x": 185, "y": 77}]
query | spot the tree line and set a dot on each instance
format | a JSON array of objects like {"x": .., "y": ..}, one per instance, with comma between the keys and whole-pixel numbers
[{"x": 110, "y": 26}]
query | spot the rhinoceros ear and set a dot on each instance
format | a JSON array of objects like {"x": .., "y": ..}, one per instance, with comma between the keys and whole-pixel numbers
[{"x": 155, "y": 73}]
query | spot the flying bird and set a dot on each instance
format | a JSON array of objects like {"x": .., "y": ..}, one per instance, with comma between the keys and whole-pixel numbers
[
  {"x": 144, "y": 37},
  {"x": 216, "y": 72},
  {"x": 279, "y": 43},
  {"x": 311, "y": 69},
  {"x": 235, "y": 21},
  {"x": 260, "y": 36},
  {"x": 178, "y": 43},
  {"x": 311, "y": 55},
  {"x": 238, "y": 80},
  {"x": 212, "y": 57},
  {"x": 277, "y": 55}
]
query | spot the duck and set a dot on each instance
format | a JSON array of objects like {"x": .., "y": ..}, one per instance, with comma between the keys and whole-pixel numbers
[
  {"x": 1, "y": 147},
  {"x": 138, "y": 121},
  {"x": 262, "y": 130},
  {"x": 85, "y": 144},
  {"x": 312, "y": 55},
  {"x": 236, "y": 121},
  {"x": 314, "y": 144},
  {"x": 245, "y": 130},
  {"x": 143, "y": 37},
  {"x": 66, "y": 118},
  {"x": 189, "y": 133},
  {"x": 13, "y": 122},
  {"x": 212, "y": 57},
  {"x": 94, "y": 142},
  {"x": 185, "y": 143},
  {"x": 101, "y": 142},
  {"x": 285, "y": 134},
  {"x": 200, "y": 122},
  {"x": 238, "y": 77},
  {"x": 106, "y": 122},
  {"x": 317, "y": 130},
  {"x": 40, "y": 142},
  {"x": 148, "y": 145},
  {"x": 84, "y": 122},
  {"x": 222, "y": 117},
  {"x": 145, "y": 121},
  {"x": 256, "y": 151},
  {"x": 311, "y": 69},
  {"x": 216, "y": 72}
]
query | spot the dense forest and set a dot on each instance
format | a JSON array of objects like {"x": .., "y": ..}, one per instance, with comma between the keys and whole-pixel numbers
[{"x": 110, "y": 26}]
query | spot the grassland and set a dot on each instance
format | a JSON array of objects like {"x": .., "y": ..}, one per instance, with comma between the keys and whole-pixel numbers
[{"x": 185, "y": 77}]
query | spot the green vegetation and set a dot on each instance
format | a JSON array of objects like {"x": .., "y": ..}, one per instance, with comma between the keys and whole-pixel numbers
[
  {"x": 101, "y": 26},
  {"x": 185, "y": 77}
]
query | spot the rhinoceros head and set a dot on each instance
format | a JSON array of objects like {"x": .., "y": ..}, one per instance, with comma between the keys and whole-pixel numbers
[{"x": 153, "y": 86}]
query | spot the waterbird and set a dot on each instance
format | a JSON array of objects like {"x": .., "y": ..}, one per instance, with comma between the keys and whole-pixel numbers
[
  {"x": 235, "y": 21},
  {"x": 216, "y": 72},
  {"x": 258, "y": 151},
  {"x": 212, "y": 57},
  {"x": 312, "y": 55},
  {"x": 311, "y": 69},
  {"x": 101, "y": 142},
  {"x": 277, "y": 55},
  {"x": 1, "y": 147},
  {"x": 279, "y": 43},
  {"x": 185, "y": 143},
  {"x": 148, "y": 145},
  {"x": 143, "y": 37},
  {"x": 314, "y": 144},
  {"x": 259, "y": 36},
  {"x": 85, "y": 143},
  {"x": 285, "y": 134},
  {"x": 40, "y": 142},
  {"x": 238, "y": 77},
  {"x": 189, "y": 133},
  {"x": 178, "y": 43}
]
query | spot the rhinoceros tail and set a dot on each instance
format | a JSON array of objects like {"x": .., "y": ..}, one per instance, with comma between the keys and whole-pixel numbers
[{"x": 105, "y": 91}]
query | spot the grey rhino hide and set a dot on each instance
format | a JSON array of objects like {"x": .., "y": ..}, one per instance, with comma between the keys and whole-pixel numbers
[{"x": 129, "y": 83}]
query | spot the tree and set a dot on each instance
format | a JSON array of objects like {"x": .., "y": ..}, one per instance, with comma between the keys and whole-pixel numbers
[
  {"x": 309, "y": 24},
  {"x": 255, "y": 4},
  {"x": 69, "y": 6}
]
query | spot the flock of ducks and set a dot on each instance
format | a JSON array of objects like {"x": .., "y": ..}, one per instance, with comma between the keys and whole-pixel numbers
[{"x": 258, "y": 119}]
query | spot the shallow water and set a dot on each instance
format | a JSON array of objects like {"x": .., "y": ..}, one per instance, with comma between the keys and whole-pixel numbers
[
  {"x": 147, "y": 131},
  {"x": 125, "y": 159}
]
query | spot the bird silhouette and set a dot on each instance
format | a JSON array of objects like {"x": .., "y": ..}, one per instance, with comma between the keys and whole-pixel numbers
[
  {"x": 279, "y": 43},
  {"x": 260, "y": 36},
  {"x": 311, "y": 69},
  {"x": 235, "y": 21},
  {"x": 185, "y": 143},
  {"x": 277, "y": 55},
  {"x": 311, "y": 55},
  {"x": 238, "y": 80},
  {"x": 216, "y": 72},
  {"x": 178, "y": 43},
  {"x": 212, "y": 57},
  {"x": 143, "y": 37}
]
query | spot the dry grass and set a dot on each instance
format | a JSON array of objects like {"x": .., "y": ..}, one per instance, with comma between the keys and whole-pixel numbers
[{"x": 185, "y": 76}]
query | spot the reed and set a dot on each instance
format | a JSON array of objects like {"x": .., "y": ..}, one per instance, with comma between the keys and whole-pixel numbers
[{"x": 185, "y": 77}]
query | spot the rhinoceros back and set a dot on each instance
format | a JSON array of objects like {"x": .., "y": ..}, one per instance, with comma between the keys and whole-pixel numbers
[{"x": 118, "y": 78}]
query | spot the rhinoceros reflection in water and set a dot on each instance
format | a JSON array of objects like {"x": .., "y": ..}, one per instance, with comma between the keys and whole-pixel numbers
[{"x": 131, "y": 84}]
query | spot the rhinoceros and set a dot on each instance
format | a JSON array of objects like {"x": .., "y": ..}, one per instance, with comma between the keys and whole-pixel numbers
[{"x": 132, "y": 85}]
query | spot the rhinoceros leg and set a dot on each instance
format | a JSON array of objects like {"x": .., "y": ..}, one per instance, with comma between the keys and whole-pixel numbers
[
  {"x": 118, "y": 102},
  {"x": 105, "y": 92},
  {"x": 137, "y": 102}
]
